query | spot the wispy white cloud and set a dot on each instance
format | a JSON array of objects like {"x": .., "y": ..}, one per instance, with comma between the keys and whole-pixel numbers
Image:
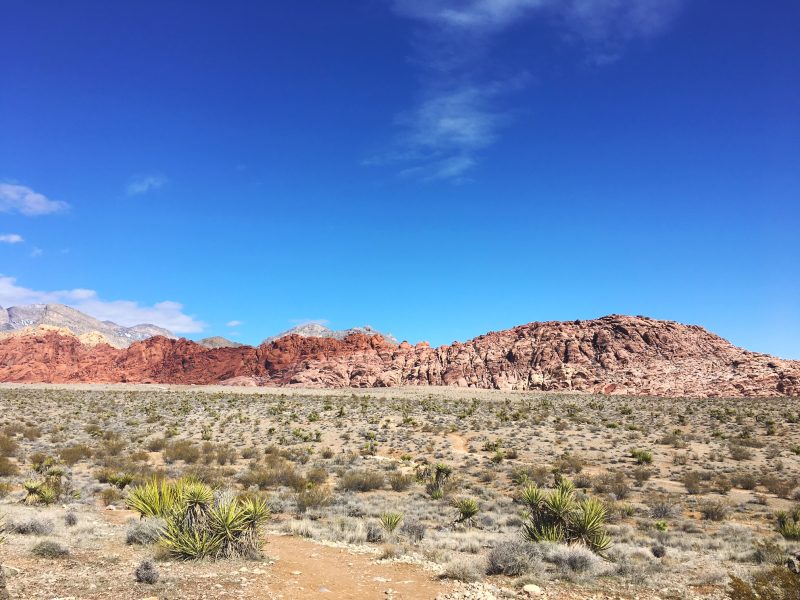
[
  {"x": 144, "y": 184},
  {"x": 11, "y": 238},
  {"x": 15, "y": 198},
  {"x": 36, "y": 252},
  {"x": 234, "y": 323},
  {"x": 167, "y": 314},
  {"x": 458, "y": 112}
]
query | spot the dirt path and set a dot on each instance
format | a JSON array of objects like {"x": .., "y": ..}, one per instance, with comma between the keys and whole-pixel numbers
[
  {"x": 307, "y": 570},
  {"x": 458, "y": 443}
]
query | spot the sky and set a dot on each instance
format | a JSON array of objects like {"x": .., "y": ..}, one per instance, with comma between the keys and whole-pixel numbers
[{"x": 436, "y": 169}]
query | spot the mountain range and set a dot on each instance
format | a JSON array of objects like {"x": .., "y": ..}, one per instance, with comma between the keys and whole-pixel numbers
[
  {"x": 62, "y": 317},
  {"x": 610, "y": 355}
]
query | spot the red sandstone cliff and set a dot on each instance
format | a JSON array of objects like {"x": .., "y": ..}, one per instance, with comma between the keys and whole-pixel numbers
[{"x": 615, "y": 354}]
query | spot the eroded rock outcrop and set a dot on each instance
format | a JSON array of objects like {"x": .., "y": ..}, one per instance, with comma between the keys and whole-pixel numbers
[{"x": 611, "y": 355}]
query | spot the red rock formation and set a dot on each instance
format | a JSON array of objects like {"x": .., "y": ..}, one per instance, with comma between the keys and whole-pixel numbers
[{"x": 615, "y": 354}]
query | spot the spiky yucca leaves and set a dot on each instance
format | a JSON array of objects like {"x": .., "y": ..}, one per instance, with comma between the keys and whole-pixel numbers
[
  {"x": 390, "y": 521},
  {"x": 32, "y": 488},
  {"x": 557, "y": 516},
  {"x": 467, "y": 509},
  {"x": 189, "y": 544},
  {"x": 789, "y": 523},
  {"x": 155, "y": 498},
  {"x": 198, "y": 524}
]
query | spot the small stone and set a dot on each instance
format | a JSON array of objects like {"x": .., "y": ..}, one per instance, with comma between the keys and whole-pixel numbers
[
  {"x": 324, "y": 590},
  {"x": 533, "y": 590},
  {"x": 297, "y": 572}
]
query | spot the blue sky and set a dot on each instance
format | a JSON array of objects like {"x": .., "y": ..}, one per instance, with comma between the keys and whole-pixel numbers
[{"x": 433, "y": 168}]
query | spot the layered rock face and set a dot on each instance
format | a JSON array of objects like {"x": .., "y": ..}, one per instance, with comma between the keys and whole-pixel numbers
[{"x": 611, "y": 355}]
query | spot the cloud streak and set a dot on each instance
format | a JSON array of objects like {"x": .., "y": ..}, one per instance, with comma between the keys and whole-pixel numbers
[
  {"x": 21, "y": 199},
  {"x": 458, "y": 114},
  {"x": 11, "y": 238},
  {"x": 167, "y": 314},
  {"x": 145, "y": 184}
]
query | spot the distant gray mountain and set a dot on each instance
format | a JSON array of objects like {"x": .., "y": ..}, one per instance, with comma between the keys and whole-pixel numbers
[
  {"x": 59, "y": 315},
  {"x": 218, "y": 341},
  {"x": 320, "y": 331}
]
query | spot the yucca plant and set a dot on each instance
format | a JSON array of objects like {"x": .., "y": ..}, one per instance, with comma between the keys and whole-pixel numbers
[
  {"x": 467, "y": 509},
  {"x": 438, "y": 479},
  {"x": 198, "y": 523},
  {"x": 390, "y": 521},
  {"x": 32, "y": 489},
  {"x": 155, "y": 498},
  {"x": 557, "y": 516},
  {"x": 789, "y": 523}
]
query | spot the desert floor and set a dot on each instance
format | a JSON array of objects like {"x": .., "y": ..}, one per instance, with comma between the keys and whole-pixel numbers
[{"x": 693, "y": 488}]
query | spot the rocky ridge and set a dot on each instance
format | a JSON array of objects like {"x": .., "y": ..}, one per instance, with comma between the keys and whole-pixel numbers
[
  {"x": 610, "y": 355},
  {"x": 34, "y": 316}
]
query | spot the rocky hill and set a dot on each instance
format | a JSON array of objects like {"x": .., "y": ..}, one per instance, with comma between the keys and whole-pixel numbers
[
  {"x": 611, "y": 355},
  {"x": 317, "y": 330},
  {"x": 60, "y": 316},
  {"x": 218, "y": 341}
]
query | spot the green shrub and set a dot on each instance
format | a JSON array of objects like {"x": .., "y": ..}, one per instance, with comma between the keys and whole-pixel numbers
[{"x": 642, "y": 457}]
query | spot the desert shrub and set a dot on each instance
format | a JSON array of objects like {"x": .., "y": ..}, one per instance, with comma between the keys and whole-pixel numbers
[
  {"x": 769, "y": 553},
  {"x": 5, "y": 489},
  {"x": 744, "y": 480},
  {"x": 557, "y": 516},
  {"x": 110, "y": 495},
  {"x": 414, "y": 530},
  {"x": 525, "y": 474},
  {"x": 50, "y": 549},
  {"x": 777, "y": 583},
  {"x": 400, "y": 482},
  {"x": 146, "y": 572},
  {"x": 614, "y": 483},
  {"x": 145, "y": 531},
  {"x": 313, "y": 497},
  {"x": 250, "y": 453},
  {"x": 692, "y": 481},
  {"x": 361, "y": 481},
  {"x": 73, "y": 454},
  {"x": 658, "y": 550},
  {"x": 568, "y": 463},
  {"x": 714, "y": 510},
  {"x": 775, "y": 485},
  {"x": 8, "y": 445},
  {"x": 463, "y": 570},
  {"x": 120, "y": 480},
  {"x": 739, "y": 452},
  {"x": 663, "y": 507},
  {"x": 317, "y": 475},
  {"x": 374, "y": 532},
  {"x": 32, "y": 526},
  {"x": 642, "y": 457},
  {"x": 513, "y": 558},
  {"x": 70, "y": 518},
  {"x": 279, "y": 472},
  {"x": 573, "y": 562},
  {"x": 721, "y": 484},
  {"x": 181, "y": 450},
  {"x": 7, "y": 468}
]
